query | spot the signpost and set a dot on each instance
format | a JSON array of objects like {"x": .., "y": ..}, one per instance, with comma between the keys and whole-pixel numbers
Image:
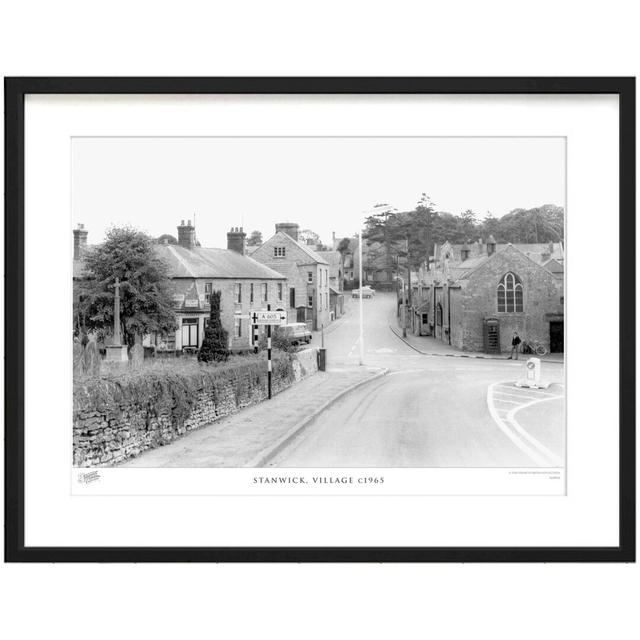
[{"x": 268, "y": 318}]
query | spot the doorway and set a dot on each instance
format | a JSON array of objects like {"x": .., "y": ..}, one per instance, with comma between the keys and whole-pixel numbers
[
  {"x": 190, "y": 332},
  {"x": 556, "y": 336}
]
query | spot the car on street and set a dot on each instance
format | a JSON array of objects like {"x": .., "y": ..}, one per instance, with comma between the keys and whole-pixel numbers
[
  {"x": 367, "y": 292},
  {"x": 295, "y": 333}
]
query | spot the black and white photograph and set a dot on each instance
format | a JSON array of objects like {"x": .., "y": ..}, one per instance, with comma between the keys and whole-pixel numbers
[{"x": 319, "y": 302}]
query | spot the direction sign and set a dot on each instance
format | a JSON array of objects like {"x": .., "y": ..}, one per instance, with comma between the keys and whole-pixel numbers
[{"x": 269, "y": 317}]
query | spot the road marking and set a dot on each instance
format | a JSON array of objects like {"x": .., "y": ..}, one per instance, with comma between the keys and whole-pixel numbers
[
  {"x": 524, "y": 390},
  {"x": 519, "y": 436},
  {"x": 558, "y": 462},
  {"x": 355, "y": 345}
]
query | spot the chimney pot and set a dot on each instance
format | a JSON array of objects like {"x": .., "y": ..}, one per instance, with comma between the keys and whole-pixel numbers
[
  {"x": 79, "y": 241},
  {"x": 290, "y": 228},
  {"x": 236, "y": 240},
  {"x": 187, "y": 235}
]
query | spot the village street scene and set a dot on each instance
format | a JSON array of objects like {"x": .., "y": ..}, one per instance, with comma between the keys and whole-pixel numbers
[
  {"x": 420, "y": 338},
  {"x": 423, "y": 386}
]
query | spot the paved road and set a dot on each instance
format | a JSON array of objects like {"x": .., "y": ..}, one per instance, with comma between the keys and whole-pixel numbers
[{"x": 429, "y": 411}]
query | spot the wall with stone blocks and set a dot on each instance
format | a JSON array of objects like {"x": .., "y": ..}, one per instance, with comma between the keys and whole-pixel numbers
[{"x": 112, "y": 423}]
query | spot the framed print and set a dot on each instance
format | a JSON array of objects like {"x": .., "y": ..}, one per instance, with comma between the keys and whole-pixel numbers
[{"x": 320, "y": 319}]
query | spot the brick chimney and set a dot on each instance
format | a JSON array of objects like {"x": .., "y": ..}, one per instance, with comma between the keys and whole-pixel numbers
[
  {"x": 186, "y": 235},
  {"x": 79, "y": 241},
  {"x": 290, "y": 228},
  {"x": 236, "y": 240},
  {"x": 491, "y": 245}
]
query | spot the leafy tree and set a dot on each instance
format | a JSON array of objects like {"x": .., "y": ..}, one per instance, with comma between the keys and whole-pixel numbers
[
  {"x": 344, "y": 246},
  {"x": 146, "y": 296},
  {"x": 255, "y": 239},
  {"x": 215, "y": 344},
  {"x": 540, "y": 224},
  {"x": 307, "y": 236}
]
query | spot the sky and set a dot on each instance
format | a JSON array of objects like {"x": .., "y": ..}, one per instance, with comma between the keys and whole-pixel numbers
[{"x": 324, "y": 184}]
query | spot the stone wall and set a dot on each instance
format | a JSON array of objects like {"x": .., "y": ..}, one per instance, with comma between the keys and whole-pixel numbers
[{"x": 116, "y": 418}]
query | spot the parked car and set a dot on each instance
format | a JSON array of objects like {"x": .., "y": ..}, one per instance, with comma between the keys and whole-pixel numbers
[
  {"x": 296, "y": 333},
  {"x": 367, "y": 292}
]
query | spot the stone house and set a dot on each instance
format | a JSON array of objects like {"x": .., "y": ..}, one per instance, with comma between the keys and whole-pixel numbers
[
  {"x": 336, "y": 281},
  {"x": 306, "y": 272},
  {"x": 494, "y": 288},
  {"x": 196, "y": 272}
]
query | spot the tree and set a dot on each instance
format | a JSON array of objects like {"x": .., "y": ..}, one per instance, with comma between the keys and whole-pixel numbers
[
  {"x": 255, "y": 239},
  {"x": 540, "y": 224},
  {"x": 490, "y": 226},
  {"x": 468, "y": 224},
  {"x": 344, "y": 246},
  {"x": 146, "y": 295},
  {"x": 215, "y": 344},
  {"x": 307, "y": 236}
]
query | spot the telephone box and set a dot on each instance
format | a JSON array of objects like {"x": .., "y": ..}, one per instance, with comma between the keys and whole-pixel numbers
[{"x": 491, "y": 335}]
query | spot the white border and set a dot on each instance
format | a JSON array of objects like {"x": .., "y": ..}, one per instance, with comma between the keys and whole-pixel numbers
[{"x": 587, "y": 516}]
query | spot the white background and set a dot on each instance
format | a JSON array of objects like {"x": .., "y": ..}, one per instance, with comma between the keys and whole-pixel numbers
[
  {"x": 586, "y": 516},
  {"x": 334, "y": 38}
]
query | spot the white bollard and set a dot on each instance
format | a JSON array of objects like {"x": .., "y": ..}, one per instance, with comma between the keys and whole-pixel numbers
[{"x": 532, "y": 372}]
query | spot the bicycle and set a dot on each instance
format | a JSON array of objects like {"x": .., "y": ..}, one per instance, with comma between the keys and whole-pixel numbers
[{"x": 534, "y": 347}]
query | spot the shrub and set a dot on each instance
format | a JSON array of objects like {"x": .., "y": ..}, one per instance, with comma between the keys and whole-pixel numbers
[
  {"x": 215, "y": 344},
  {"x": 173, "y": 386}
]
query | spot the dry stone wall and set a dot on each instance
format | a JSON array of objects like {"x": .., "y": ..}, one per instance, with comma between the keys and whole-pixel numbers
[{"x": 118, "y": 418}]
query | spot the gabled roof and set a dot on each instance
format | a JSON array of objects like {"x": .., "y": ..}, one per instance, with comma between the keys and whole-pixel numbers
[
  {"x": 466, "y": 273},
  {"x": 333, "y": 258},
  {"x": 313, "y": 255},
  {"x": 539, "y": 252},
  {"x": 201, "y": 262}
]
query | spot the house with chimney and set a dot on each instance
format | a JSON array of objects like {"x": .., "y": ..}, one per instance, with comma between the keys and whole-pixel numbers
[
  {"x": 196, "y": 272},
  {"x": 475, "y": 295},
  {"x": 336, "y": 281},
  {"x": 306, "y": 271}
]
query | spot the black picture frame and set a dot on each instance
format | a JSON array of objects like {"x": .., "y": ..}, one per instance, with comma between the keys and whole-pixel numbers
[{"x": 15, "y": 91}]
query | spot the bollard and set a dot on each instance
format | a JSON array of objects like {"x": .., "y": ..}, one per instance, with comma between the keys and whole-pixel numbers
[
  {"x": 322, "y": 359},
  {"x": 532, "y": 371}
]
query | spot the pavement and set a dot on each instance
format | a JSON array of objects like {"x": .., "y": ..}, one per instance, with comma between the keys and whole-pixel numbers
[
  {"x": 429, "y": 346},
  {"x": 251, "y": 436}
]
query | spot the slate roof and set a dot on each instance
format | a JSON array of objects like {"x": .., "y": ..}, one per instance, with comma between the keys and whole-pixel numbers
[
  {"x": 534, "y": 251},
  {"x": 332, "y": 257},
  {"x": 315, "y": 257},
  {"x": 202, "y": 262}
]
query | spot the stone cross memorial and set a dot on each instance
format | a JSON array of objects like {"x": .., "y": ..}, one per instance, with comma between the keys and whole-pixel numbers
[{"x": 116, "y": 351}]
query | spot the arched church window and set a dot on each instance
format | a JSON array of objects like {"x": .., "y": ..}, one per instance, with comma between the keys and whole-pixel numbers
[{"x": 510, "y": 293}]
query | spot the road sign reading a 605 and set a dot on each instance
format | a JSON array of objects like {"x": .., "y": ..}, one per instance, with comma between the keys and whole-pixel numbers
[{"x": 269, "y": 317}]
